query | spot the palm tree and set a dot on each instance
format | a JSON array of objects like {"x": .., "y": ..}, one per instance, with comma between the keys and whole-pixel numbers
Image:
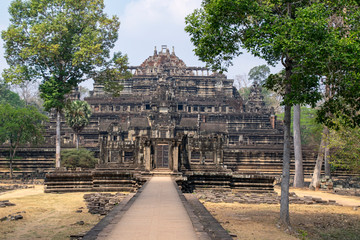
[{"x": 77, "y": 115}]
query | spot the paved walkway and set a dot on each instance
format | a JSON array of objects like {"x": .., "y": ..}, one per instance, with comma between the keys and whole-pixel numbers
[{"x": 157, "y": 213}]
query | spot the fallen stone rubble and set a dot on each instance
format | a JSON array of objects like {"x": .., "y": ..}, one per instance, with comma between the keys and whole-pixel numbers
[
  {"x": 10, "y": 187},
  {"x": 346, "y": 186},
  {"x": 102, "y": 203},
  {"x": 13, "y": 217},
  {"x": 6, "y": 203},
  {"x": 227, "y": 196}
]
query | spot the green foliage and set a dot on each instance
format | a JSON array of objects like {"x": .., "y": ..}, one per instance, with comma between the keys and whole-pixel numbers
[
  {"x": 21, "y": 125},
  {"x": 304, "y": 36},
  {"x": 303, "y": 234},
  {"x": 316, "y": 42},
  {"x": 59, "y": 42},
  {"x": 259, "y": 73},
  {"x": 77, "y": 115},
  {"x": 113, "y": 72},
  {"x": 350, "y": 231},
  {"x": 345, "y": 148},
  {"x": 245, "y": 93},
  {"x": 310, "y": 128},
  {"x": 73, "y": 158},
  {"x": 9, "y": 97}
]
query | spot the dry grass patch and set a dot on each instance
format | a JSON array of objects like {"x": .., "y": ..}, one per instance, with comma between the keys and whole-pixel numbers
[
  {"x": 259, "y": 221},
  {"x": 47, "y": 216}
]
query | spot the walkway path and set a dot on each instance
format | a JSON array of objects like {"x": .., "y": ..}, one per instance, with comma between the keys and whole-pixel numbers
[{"x": 157, "y": 213}]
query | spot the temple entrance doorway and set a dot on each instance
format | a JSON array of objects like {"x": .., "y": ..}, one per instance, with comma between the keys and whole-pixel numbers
[{"x": 162, "y": 156}]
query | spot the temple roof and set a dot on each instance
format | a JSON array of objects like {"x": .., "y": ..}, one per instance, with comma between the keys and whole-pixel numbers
[
  {"x": 163, "y": 59},
  {"x": 164, "y": 62}
]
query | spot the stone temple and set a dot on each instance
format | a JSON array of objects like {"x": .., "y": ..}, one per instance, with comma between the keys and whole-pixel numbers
[
  {"x": 171, "y": 116},
  {"x": 176, "y": 119}
]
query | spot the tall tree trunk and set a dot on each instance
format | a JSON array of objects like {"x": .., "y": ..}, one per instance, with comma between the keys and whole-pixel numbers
[
  {"x": 11, "y": 166},
  {"x": 315, "y": 181},
  {"x": 326, "y": 158},
  {"x": 284, "y": 202},
  {"x": 326, "y": 147},
  {"x": 11, "y": 157},
  {"x": 299, "y": 171},
  {"x": 77, "y": 140},
  {"x": 58, "y": 139}
]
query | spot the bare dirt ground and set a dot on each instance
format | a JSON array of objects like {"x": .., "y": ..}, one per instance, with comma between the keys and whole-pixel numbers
[
  {"x": 341, "y": 199},
  {"x": 54, "y": 216},
  {"x": 260, "y": 221},
  {"x": 46, "y": 216}
]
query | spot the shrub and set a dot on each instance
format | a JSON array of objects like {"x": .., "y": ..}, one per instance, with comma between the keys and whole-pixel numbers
[{"x": 73, "y": 158}]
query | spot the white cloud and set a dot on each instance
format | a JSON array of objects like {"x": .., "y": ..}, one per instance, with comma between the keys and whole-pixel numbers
[
  {"x": 149, "y": 23},
  {"x": 145, "y": 13}
]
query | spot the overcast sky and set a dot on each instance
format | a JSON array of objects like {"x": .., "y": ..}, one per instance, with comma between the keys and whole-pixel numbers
[{"x": 149, "y": 23}]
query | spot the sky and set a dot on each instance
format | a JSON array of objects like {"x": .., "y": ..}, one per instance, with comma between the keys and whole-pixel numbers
[{"x": 145, "y": 24}]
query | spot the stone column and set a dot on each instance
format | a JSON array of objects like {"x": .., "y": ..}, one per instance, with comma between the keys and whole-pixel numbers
[
  {"x": 272, "y": 121},
  {"x": 175, "y": 157},
  {"x": 215, "y": 156},
  {"x": 147, "y": 157}
]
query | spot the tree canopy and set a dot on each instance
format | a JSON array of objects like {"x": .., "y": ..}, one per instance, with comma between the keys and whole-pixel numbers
[
  {"x": 77, "y": 116},
  {"x": 73, "y": 158},
  {"x": 299, "y": 34},
  {"x": 112, "y": 74},
  {"x": 19, "y": 126},
  {"x": 9, "y": 97},
  {"x": 303, "y": 35},
  {"x": 59, "y": 42},
  {"x": 345, "y": 148},
  {"x": 259, "y": 73}
]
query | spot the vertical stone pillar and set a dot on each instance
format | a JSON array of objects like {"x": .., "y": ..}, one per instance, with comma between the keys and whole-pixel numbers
[
  {"x": 215, "y": 156},
  {"x": 272, "y": 121},
  {"x": 175, "y": 157},
  {"x": 147, "y": 156}
]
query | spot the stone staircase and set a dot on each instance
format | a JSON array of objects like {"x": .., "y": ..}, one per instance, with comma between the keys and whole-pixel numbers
[
  {"x": 29, "y": 162},
  {"x": 97, "y": 180},
  {"x": 164, "y": 172},
  {"x": 226, "y": 180}
]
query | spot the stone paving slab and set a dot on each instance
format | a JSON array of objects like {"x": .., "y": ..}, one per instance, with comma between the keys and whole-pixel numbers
[{"x": 157, "y": 213}]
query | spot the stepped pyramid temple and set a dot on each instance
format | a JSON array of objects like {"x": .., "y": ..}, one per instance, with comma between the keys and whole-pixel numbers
[{"x": 175, "y": 119}]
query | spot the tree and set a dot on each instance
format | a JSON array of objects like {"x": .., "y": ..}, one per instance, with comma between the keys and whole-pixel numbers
[
  {"x": 295, "y": 33},
  {"x": 299, "y": 169},
  {"x": 19, "y": 126},
  {"x": 113, "y": 73},
  {"x": 9, "y": 97},
  {"x": 61, "y": 43},
  {"x": 345, "y": 147},
  {"x": 315, "y": 180},
  {"x": 77, "y": 116},
  {"x": 259, "y": 73},
  {"x": 73, "y": 158},
  {"x": 311, "y": 130}
]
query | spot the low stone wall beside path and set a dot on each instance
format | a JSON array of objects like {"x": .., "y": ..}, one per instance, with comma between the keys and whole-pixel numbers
[{"x": 231, "y": 196}]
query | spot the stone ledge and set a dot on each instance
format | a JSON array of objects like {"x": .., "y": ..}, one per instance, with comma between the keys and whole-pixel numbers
[{"x": 205, "y": 225}]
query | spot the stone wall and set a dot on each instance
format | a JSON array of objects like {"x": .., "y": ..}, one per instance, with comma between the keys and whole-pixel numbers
[{"x": 98, "y": 180}]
